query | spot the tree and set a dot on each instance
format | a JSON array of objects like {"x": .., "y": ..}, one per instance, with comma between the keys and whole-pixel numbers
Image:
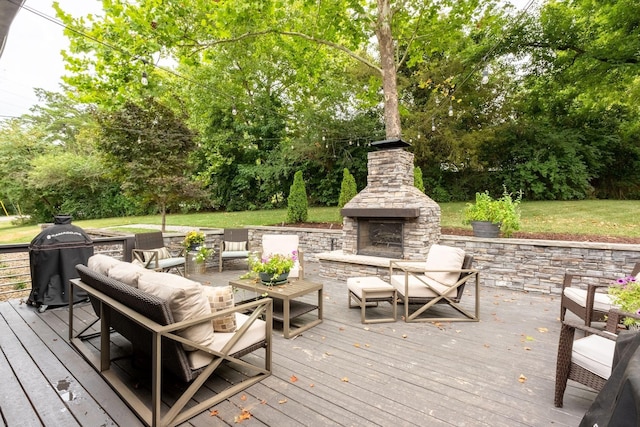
[
  {"x": 148, "y": 147},
  {"x": 417, "y": 178},
  {"x": 297, "y": 205},
  {"x": 348, "y": 189}
]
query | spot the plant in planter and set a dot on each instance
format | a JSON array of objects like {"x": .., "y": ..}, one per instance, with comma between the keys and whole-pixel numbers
[
  {"x": 273, "y": 268},
  {"x": 203, "y": 253},
  {"x": 193, "y": 240},
  {"x": 503, "y": 213}
]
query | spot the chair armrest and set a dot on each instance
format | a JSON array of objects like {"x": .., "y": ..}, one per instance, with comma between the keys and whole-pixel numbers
[
  {"x": 573, "y": 324},
  {"x": 139, "y": 255},
  {"x": 407, "y": 266},
  {"x": 568, "y": 279},
  {"x": 615, "y": 317}
]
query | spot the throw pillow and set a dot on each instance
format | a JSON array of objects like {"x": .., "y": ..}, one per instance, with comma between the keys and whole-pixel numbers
[
  {"x": 235, "y": 246},
  {"x": 127, "y": 273},
  {"x": 221, "y": 297},
  {"x": 186, "y": 301},
  {"x": 442, "y": 257},
  {"x": 101, "y": 263},
  {"x": 163, "y": 253}
]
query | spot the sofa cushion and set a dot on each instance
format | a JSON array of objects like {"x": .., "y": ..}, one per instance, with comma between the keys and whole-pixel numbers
[
  {"x": 186, "y": 300},
  {"x": 101, "y": 263},
  {"x": 257, "y": 332},
  {"x": 220, "y": 298},
  {"x": 442, "y": 257},
  {"x": 126, "y": 273}
]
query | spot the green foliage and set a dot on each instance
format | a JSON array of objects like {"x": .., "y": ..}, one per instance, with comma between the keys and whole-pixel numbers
[
  {"x": 625, "y": 294},
  {"x": 504, "y": 211},
  {"x": 417, "y": 179},
  {"x": 297, "y": 204},
  {"x": 348, "y": 188},
  {"x": 203, "y": 254}
]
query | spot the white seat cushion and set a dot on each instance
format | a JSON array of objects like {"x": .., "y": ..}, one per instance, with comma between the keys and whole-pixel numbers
[
  {"x": 256, "y": 333},
  {"x": 357, "y": 284},
  {"x": 601, "y": 302},
  {"x": 595, "y": 354},
  {"x": 234, "y": 254},
  {"x": 418, "y": 286}
]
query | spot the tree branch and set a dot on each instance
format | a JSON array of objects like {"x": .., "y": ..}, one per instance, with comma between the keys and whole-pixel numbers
[{"x": 314, "y": 39}]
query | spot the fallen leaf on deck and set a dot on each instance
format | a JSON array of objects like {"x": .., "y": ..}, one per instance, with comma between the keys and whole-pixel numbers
[
  {"x": 293, "y": 378},
  {"x": 344, "y": 379},
  {"x": 543, "y": 330},
  {"x": 263, "y": 402},
  {"x": 244, "y": 415},
  {"x": 527, "y": 348},
  {"x": 282, "y": 401},
  {"x": 487, "y": 346},
  {"x": 356, "y": 345},
  {"x": 312, "y": 385},
  {"x": 404, "y": 335},
  {"x": 243, "y": 397},
  {"x": 366, "y": 329},
  {"x": 367, "y": 345},
  {"x": 522, "y": 378},
  {"x": 214, "y": 413}
]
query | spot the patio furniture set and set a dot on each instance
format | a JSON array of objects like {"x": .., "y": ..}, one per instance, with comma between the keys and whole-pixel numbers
[{"x": 153, "y": 317}]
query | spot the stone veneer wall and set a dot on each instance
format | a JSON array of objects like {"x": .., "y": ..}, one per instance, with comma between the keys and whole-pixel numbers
[
  {"x": 390, "y": 186},
  {"x": 518, "y": 264}
]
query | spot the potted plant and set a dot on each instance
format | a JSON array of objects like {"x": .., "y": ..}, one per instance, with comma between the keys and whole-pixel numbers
[
  {"x": 489, "y": 216},
  {"x": 274, "y": 268},
  {"x": 200, "y": 258},
  {"x": 625, "y": 294},
  {"x": 193, "y": 240}
]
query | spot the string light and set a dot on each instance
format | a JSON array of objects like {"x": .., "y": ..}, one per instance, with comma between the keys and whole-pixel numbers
[
  {"x": 433, "y": 125},
  {"x": 144, "y": 80},
  {"x": 485, "y": 76},
  {"x": 450, "y": 109}
]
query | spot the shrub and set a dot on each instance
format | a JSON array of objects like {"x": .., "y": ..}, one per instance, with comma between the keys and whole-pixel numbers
[
  {"x": 504, "y": 211},
  {"x": 348, "y": 189},
  {"x": 297, "y": 204},
  {"x": 417, "y": 179}
]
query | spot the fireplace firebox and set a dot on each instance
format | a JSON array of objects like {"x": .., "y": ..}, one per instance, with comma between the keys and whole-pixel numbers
[{"x": 380, "y": 237}]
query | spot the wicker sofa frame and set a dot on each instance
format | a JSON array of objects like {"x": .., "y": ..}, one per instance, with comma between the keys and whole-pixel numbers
[{"x": 147, "y": 322}]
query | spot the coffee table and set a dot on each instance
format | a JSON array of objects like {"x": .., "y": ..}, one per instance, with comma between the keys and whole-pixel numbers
[{"x": 285, "y": 306}]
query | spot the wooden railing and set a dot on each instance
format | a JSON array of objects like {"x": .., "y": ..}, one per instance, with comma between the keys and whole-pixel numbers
[{"x": 15, "y": 272}]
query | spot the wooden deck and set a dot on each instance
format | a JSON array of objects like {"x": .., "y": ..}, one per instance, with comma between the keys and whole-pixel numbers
[{"x": 497, "y": 372}]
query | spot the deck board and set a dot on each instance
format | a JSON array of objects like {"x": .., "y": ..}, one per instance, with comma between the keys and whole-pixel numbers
[{"x": 339, "y": 373}]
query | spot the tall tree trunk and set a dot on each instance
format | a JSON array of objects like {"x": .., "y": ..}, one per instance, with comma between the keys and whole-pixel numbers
[
  {"x": 388, "y": 65},
  {"x": 163, "y": 213}
]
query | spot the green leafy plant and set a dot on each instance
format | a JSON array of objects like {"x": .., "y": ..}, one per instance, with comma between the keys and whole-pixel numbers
[
  {"x": 203, "y": 254},
  {"x": 193, "y": 239},
  {"x": 274, "y": 264},
  {"x": 297, "y": 203},
  {"x": 504, "y": 211},
  {"x": 348, "y": 190},
  {"x": 625, "y": 293}
]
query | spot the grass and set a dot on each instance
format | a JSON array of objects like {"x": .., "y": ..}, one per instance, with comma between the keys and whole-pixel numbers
[{"x": 594, "y": 217}]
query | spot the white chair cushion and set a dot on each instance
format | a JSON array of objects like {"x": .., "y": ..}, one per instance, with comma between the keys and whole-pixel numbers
[
  {"x": 221, "y": 297},
  {"x": 357, "y": 284},
  {"x": 127, "y": 273},
  {"x": 418, "y": 286},
  {"x": 256, "y": 333},
  {"x": 101, "y": 263},
  {"x": 235, "y": 246},
  {"x": 595, "y": 354},
  {"x": 285, "y": 244},
  {"x": 601, "y": 301},
  {"x": 186, "y": 301},
  {"x": 235, "y": 254},
  {"x": 442, "y": 257}
]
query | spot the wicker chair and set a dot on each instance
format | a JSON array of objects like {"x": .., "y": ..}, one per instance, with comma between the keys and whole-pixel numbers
[
  {"x": 588, "y": 304},
  {"x": 589, "y": 359},
  {"x": 151, "y": 253},
  {"x": 234, "y": 245}
]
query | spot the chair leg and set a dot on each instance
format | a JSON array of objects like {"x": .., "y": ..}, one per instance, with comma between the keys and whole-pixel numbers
[{"x": 563, "y": 366}]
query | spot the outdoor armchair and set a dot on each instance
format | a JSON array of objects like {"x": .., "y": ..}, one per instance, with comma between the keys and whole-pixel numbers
[
  {"x": 439, "y": 280},
  {"x": 591, "y": 304},
  {"x": 234, "y": 245},
  {"x": 151, "y": 252}
]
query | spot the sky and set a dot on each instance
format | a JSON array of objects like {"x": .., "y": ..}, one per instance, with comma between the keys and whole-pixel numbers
[{"x": 32, "y": 59}]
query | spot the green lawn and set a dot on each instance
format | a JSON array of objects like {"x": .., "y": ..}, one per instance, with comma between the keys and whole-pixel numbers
[{"x": 599, "y": 217}]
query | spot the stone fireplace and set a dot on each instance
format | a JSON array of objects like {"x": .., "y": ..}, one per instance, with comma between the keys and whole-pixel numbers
[{"x": 390, "y": 218}]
